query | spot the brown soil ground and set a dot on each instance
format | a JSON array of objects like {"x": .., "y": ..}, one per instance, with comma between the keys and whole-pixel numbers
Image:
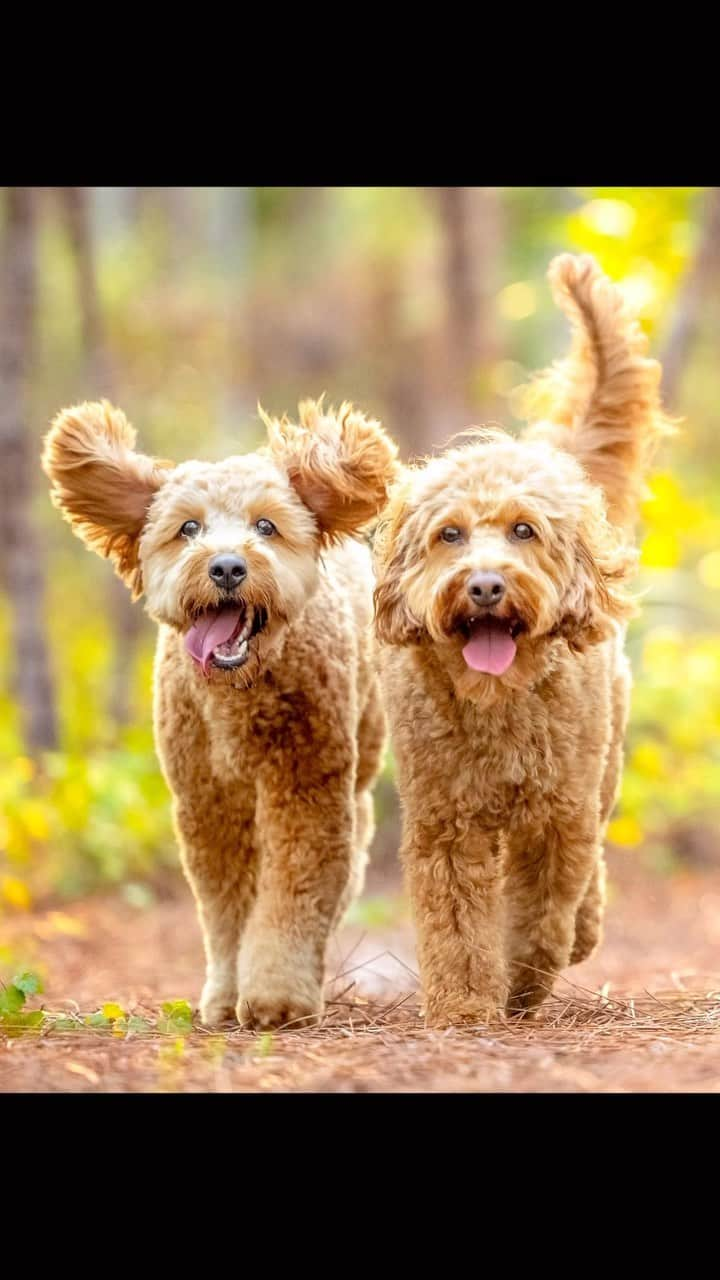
[{"x": 641, "y": 1016}]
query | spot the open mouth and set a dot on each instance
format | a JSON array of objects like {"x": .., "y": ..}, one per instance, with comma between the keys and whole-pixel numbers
[
  {"x": 222, "y": 637},
  {"x": 490, "y": 642}
]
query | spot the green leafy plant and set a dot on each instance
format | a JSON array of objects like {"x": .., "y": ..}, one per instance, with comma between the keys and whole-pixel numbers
[{"x": 14, "y": 1019}]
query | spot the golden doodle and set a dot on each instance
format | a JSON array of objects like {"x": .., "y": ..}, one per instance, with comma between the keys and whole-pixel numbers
[
  {"x": 268, "y": 719},
  {"x": 501, "y": 603}
]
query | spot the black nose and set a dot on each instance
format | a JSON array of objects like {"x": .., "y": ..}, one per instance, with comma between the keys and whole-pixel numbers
[
  {"x": 486, "y": 588},
  {"x": 227, "y": 572}
]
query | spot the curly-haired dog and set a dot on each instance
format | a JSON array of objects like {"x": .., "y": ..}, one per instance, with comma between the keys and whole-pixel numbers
[
  {"x": 501, "y": 604},
  {"x": 268, "y": 720}
]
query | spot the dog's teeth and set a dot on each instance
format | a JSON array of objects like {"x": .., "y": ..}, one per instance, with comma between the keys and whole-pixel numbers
[
  {"x": 243, "y": 648},
  {"x": 247, "y": 628}
]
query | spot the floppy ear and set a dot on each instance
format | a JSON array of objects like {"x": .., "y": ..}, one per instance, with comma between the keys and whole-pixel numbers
[
  {"x": 102, "y": 487},
  {"x": 340, "y": 464},
  {"x": 394, "y": 623},
  {"x": 596, "y": 599}
]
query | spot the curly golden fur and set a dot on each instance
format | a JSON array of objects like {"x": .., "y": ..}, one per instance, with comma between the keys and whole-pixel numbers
[
  {"x": 269, "y": 726},
  {"x": 507, "y": 714}
]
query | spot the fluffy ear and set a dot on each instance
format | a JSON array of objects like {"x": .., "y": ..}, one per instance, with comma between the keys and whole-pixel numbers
[
  {"x": 596, "y": 598},
  {"x": 340, "y": 464},
  {"x": 100, "y": 484},
  {"x": 394, "y": 623}
]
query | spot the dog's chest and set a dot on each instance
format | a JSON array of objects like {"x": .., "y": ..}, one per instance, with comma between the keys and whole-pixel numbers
[
  {"x": 249, "y": 728},
  {"x": 495, "y": 763},
  {"x": 508, "y": 760}
]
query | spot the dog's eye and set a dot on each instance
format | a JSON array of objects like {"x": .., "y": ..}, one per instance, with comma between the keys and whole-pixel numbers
[
  {"x": 266, "y": 528},
  {"x": 191, "y": 529},
  {"x": 523, "y": 531},
  {"x": 451, "y": 533}
]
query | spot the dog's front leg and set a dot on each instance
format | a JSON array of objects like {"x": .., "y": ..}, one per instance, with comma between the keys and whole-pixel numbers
[
  {"x": 590, "y": 914},
  {"x": 305, "y": 860},
  {"x": 549, "y": 874},
  {"x": 454, "y": 872},
  {"x": 217, "y": 853}
]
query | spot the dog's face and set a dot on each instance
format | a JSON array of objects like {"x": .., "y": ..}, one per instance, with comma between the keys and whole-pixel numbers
[
  {"x": 490, "y": 552},
  {"x": 226, "y": 553},
  {"x": 229, "y": 556}
]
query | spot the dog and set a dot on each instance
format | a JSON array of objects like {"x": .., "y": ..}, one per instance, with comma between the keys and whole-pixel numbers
[
  {"x": 501, "y": 606},
  {"x": 267, "y": 711}
]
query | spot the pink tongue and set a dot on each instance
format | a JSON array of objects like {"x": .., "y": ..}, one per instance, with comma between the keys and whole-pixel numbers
[
  {"x": 491, "y": 649},
  {"x": 214, "y": 628}
]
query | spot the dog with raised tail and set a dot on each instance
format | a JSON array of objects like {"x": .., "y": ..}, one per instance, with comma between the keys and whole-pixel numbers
[
  {"x": 501, "y": 605},
  {"x": 268, "y": 720}
]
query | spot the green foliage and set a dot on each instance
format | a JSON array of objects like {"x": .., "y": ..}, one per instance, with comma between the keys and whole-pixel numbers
[
  {"x": 176, "y": 1018},
  {"x": 97, "y": 1020},
  {"x": 79, "y": 820},
  {"x": 375, "y": 912},
  {"x": 265, "y": 1044},
  {"x": 29, "y": 983},
  {"x": 12, "y": 999},
  {"x": 14, "y": 1019}
]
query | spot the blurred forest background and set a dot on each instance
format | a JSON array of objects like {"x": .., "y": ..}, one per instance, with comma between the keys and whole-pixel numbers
[{"x": 426, "y": 306}]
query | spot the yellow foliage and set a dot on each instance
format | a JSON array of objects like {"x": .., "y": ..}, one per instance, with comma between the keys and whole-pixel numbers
[
  {"x": 609, "y": 217},
  {"x": 668, "y": 507},
  {"x": 34, "y": 819},
  {"x": 647, "y": 759},
  {"x": 16, "y": 893},
  {"x": 625, "y": 831},
  {"x": 24, "y": 768},
  {"x": 57, "y": 922},
  {"x": 113, "y": 1012},
  {"x": 660, "y": 550}
]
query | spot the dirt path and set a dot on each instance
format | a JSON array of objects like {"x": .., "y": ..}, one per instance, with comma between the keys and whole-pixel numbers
[{"x": 644, "y": 1015}]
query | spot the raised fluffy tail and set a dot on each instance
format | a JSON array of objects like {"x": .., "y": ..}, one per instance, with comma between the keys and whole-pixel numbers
[{"x": 602, "y": 402}]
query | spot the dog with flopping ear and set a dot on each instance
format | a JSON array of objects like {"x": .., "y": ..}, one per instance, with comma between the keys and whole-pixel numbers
[
  {"x": 268, "y": 720},
  {"x": 501, "y": 605}
]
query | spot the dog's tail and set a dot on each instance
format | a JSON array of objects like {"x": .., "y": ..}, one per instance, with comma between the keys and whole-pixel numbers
[{"x": 602, "y": 403}]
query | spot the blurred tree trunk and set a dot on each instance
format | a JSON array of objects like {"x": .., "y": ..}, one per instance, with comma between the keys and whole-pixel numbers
[
  {"x": 183, "y": 228},
  {"x": 232, "y": 239},
  {"x": 701, "y": 277},
  {"x": 127, "y": 618},
  {"x": 77, "y": 222},
  {"x": 471, "y": 233},
  {"x": 402, "y": 368},
  {"x": 23, "y": 559}
]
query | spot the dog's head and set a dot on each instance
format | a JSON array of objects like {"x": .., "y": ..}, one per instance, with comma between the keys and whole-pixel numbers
[
  {"x": 490, "y": 552},
  {"x": 227, "y": 553}
]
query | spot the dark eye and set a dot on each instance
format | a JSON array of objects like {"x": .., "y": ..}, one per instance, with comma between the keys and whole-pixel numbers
[
  {"x": 266, "y": 528},
  {"x": 191, "y": 529},
  {"x": 523, "y": 531},
  {"x": 451, "y": 534}
]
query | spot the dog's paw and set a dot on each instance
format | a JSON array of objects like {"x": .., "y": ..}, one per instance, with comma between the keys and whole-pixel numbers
[
  {"x": 472, "y": 1012},
  {"x": 525, "y": 999},
  {"x": 587, "y": 941},
  {"x": 534, "y": 979},
  {"x": 293, "y": 1006},
  {"x": 216, "y": 1006}
]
